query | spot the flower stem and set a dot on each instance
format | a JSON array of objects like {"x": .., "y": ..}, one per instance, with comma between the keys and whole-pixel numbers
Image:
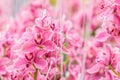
[
  {"x": 35, "y": 73},
  {"x": 111, "y": 68}
]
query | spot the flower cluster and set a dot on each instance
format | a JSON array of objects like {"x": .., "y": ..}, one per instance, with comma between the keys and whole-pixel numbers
[{"x": 49, "y": 40}]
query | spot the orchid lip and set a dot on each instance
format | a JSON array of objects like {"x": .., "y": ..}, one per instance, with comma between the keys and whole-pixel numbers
[{"x": 29, "y": 57}]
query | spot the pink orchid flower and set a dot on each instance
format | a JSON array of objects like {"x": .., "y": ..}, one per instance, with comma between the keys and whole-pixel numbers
[
  {"x": 31, "y": 59},
  {"x": 107, "y": 62}
]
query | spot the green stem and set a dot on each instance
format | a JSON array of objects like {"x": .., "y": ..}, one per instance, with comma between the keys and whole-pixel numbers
[
  {"x": 35, "y": 74},
  {"x": 111, "y": 68}
]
